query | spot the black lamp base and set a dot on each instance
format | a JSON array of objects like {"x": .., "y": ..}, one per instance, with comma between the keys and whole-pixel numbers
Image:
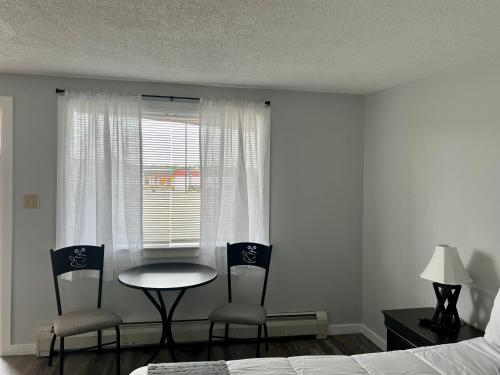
[{"x": 445, "y": 318}]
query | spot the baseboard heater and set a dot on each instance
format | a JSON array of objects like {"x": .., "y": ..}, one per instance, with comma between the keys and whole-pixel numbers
[{"x": 148, "y": 333}]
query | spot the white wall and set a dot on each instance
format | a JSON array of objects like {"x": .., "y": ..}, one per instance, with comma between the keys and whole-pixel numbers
[
  {"x": 432, "y": 175},
  {"x": 316, "y": 205}
]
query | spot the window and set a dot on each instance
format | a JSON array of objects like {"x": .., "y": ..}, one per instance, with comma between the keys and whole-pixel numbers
[{"x": 171, "y": 175}]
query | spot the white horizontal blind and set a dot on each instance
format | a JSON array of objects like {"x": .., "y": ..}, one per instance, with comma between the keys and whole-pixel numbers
[{"x": 171, "y": 176}]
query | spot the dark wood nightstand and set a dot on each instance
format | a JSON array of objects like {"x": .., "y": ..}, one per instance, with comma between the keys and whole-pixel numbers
[{"x": 405, "y": 332}]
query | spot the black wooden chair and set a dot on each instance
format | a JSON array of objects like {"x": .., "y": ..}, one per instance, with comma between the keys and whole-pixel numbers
[
  {"x": 243, "y": 254},
  {"x": 76, "y": 258}
]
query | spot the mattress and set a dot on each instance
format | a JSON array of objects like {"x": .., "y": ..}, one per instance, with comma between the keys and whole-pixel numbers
[{"x": 471, "y": 357}]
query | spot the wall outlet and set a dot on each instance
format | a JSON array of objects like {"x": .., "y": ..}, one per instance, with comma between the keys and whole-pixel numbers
[{"x": 31, "y": 201}]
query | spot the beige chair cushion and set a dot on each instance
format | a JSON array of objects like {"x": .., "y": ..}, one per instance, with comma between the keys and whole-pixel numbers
[
  {"x": 76, "y": 322},
  {"x": 239, "y": 313}
]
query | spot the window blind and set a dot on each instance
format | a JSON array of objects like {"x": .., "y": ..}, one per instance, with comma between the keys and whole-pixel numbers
[{"x": 171, "y": 175}]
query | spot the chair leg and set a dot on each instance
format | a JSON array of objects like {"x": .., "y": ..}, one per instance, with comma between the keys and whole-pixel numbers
[
  {"x": 210, "y": 340},
  {"x": 61, "y": 356},
  {"x": 267, "y": 338},
  {"x": 118, "y": 350},
  {"x": 51, "y": 351},
  {"x": 226, "y": 334},
  {"x": 99, "y": 342},
  {"x": 258, "y": 341}
]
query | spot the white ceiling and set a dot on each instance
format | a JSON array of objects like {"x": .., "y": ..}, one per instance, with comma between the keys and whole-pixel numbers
[{"x": 355, "y": 46}]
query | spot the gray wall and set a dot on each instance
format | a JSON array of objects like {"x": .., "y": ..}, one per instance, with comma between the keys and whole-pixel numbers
[
  {"x": 432, "y": 175},
  {"x": 316, "y": 205}
]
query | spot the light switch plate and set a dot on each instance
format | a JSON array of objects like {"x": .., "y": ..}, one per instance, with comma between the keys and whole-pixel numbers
[{"x": 31, "y": 201}]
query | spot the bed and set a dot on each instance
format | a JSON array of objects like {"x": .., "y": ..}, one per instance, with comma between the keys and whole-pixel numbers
[
  {"x": 471, "y": 357},
  {"x": 479, "y": 356}
]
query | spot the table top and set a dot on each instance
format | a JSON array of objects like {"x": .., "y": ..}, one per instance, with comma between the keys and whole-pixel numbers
[
  {"x": 409, "y": 319},
  {"x": 167, "y": 276}
]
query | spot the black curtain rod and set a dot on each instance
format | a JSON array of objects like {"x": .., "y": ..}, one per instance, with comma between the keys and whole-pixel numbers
[{"x": 61, "y": 91}]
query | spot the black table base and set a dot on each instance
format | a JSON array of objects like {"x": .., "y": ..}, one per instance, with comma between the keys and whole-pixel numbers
[
  {"x": 166, "y": 318},
  {"x": 160, "y": 277}
]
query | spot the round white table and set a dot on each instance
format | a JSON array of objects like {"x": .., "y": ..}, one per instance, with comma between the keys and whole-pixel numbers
[{"x": 158, "y": 277}]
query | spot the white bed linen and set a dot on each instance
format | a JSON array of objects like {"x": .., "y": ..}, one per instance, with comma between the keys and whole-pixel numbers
[
  {"x": 326, "y": 365},
  {"x": 260, "y": 366},
  {"x": 467, "y": 357},
  {"x": 397, "y": 362},
  {"x": 492, "y": 333},
  {"x": 471, "y": 357}
]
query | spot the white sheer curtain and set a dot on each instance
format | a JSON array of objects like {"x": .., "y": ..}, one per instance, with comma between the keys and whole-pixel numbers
[
  {"x": 99, "y": 191},
  {"x": 234, "y": 147}
]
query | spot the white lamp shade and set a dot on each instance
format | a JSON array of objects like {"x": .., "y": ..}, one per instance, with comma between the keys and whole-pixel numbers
[{"x": 446, "y": 267}]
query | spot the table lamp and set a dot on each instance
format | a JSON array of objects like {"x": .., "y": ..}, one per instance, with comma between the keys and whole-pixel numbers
[{"x": 447, "y": 273}]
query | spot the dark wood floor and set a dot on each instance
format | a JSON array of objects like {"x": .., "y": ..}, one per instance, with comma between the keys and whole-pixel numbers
[{"x": 92, "y": 363}]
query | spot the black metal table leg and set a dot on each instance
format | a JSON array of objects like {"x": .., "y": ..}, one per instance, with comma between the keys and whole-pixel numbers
[
  {"x": 163, "y": 331},
  {"x": 166, "y": 318},
  {"x": 170, "y": 316}
]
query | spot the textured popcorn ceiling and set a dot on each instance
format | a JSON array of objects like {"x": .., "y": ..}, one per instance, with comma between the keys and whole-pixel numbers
[{"x": 321, "y": 45}]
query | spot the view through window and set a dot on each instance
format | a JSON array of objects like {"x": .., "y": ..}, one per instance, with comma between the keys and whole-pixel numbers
[{"x": 171, "y": 177}]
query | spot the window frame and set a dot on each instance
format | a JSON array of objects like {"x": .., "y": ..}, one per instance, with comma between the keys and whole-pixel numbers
[{"x": 6, "y": 233}]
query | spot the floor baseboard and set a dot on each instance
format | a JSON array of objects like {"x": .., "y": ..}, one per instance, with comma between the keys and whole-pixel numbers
[
  {"x": 333, "y": 329},
  {"x": 350, "y": 328},
  {"x": 19, "y": 349},
  {"x": 373, "y": 337}
]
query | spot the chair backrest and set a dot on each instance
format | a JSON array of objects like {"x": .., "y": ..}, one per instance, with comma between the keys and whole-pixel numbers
[
  {"x": 248, "y": 254},
  {"x": 77, "y": 258}
]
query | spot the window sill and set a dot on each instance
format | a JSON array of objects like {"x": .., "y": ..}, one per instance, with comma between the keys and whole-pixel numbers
[{"x": 171, "y": 253}]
